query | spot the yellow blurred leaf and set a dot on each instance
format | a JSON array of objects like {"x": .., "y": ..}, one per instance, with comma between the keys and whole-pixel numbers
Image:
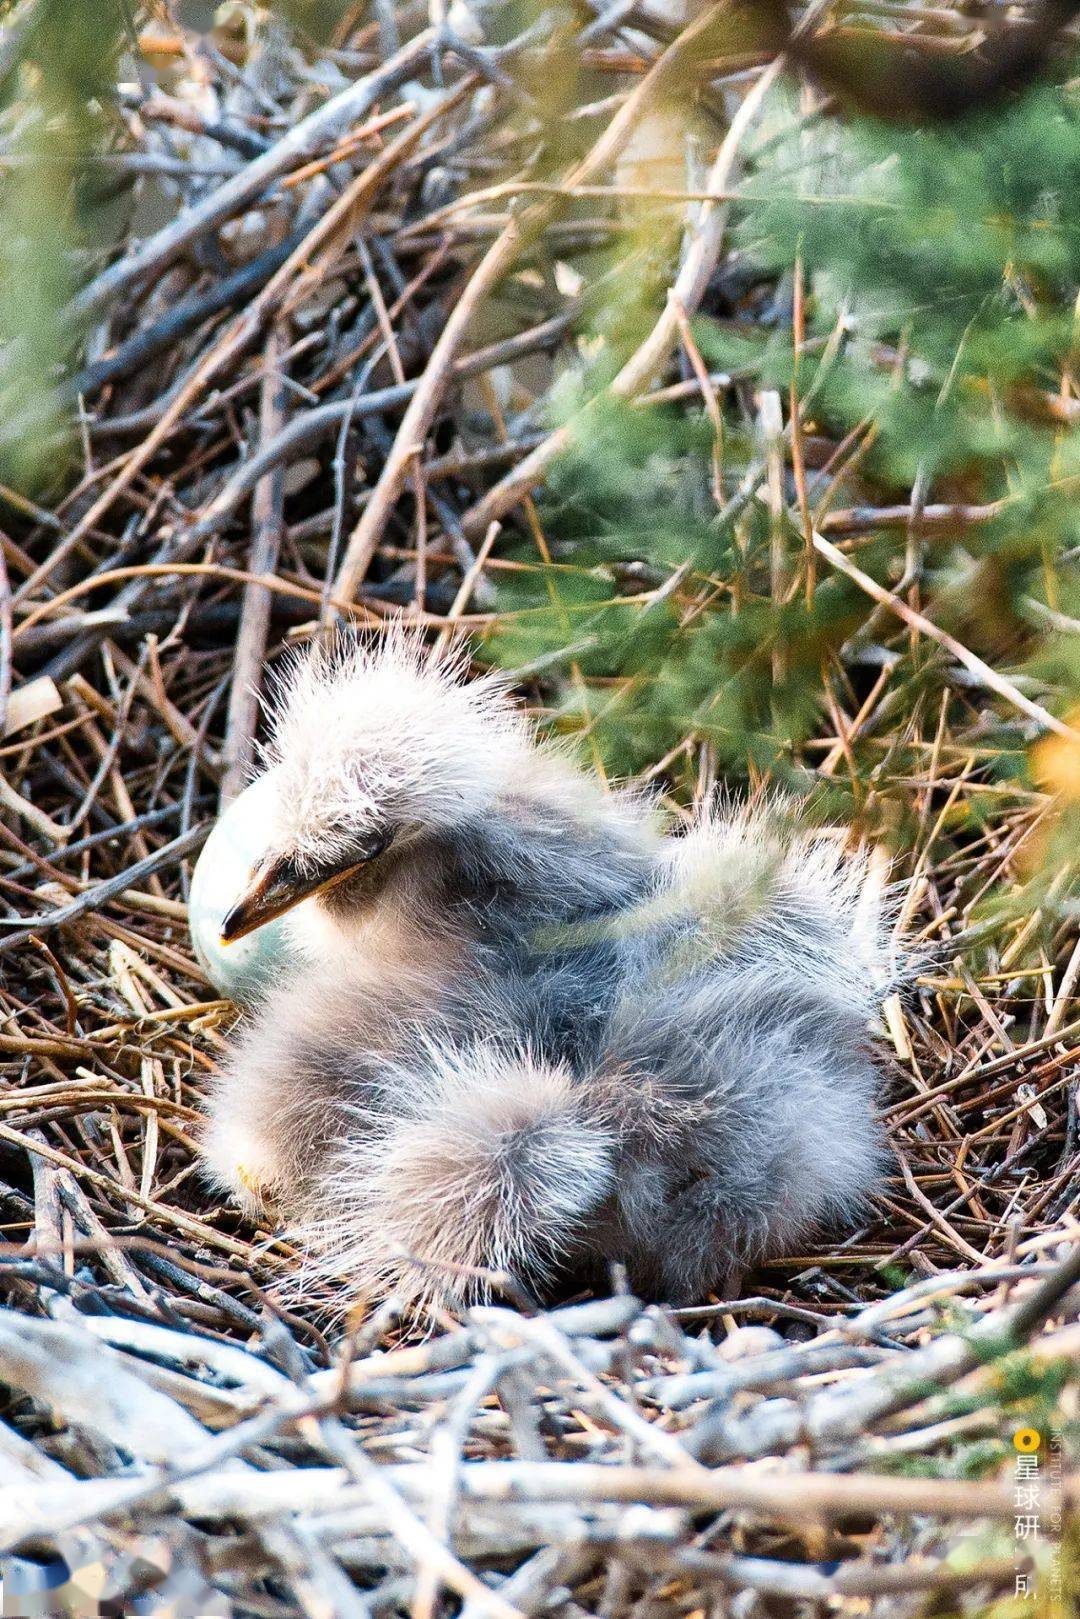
[{"x": 1055, "y": 763}]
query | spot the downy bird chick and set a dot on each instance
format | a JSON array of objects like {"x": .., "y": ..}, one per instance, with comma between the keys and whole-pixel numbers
[{"x": 535, "y": 1036}]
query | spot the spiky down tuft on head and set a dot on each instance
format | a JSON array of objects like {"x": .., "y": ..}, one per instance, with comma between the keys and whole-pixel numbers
[{"x": 369, "y": 732}]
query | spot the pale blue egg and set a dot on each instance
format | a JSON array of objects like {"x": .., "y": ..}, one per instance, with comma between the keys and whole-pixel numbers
[{"x": 264, "y": 957}]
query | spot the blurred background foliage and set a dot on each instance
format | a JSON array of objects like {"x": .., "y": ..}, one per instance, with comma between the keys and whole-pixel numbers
[
  {"x": 58, "y": 71},
  {"x": 940, "y": 271}
]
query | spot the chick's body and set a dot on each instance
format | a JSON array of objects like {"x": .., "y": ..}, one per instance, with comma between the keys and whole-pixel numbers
[{"x": 534, "y": 1035}]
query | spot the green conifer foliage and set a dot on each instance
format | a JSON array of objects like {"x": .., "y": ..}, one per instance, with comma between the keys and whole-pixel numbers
[
  {"x": 941, "y": 269},
  {"x": 58, "y": 71}
]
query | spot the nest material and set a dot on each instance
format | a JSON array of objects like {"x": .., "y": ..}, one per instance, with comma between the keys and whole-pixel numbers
[{"x": 169, "y": 1425}]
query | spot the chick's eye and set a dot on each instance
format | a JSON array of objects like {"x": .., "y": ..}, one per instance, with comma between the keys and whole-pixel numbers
[
  {"x": 377, "y": 841},
  {"x": 361, "y": 844}
]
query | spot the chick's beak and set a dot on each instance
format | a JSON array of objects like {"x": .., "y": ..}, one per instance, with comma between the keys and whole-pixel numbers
[{"x": 277, "y": 885}]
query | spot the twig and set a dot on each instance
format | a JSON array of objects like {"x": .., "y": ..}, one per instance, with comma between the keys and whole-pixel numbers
[
  {"x": 917, "y": 621},
  {"x": 266, "y": 525}
]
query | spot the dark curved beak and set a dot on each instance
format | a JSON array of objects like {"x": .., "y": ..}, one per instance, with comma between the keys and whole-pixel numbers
[{"x": 277, "y": 885}]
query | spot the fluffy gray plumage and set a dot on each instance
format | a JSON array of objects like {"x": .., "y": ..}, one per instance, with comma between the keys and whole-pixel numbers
[{"x": 535, "y": 1035}]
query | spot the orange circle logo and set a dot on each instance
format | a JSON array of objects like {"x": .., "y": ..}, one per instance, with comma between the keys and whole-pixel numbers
[{"x": 1026, "y": 1440}]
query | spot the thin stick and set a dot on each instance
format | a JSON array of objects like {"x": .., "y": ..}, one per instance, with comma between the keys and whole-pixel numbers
[
  {"x": 958, "y": 650},
  {"x": 266, "y": 523}
]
